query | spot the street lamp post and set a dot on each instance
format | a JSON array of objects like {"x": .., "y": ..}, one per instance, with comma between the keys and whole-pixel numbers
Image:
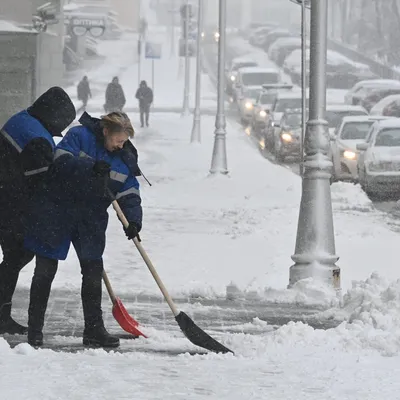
[
  {"x": 304, "y": 5},
  {"x": 185, "y": 106},
  {"x": 219, "y": 163},
  {"x": 172, "y": 11},
  {"x": 139, "y": 43},
  {"x": 315, "y": 244},
  {"x": 196, "y": 131}
]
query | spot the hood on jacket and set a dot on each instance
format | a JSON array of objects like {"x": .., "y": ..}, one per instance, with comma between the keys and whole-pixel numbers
[
  {"x": 54, "y": 110},
  {"x": 93, "y": 124}
]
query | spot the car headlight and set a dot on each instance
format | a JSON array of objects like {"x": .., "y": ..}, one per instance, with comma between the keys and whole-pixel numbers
[
  {"x": 216, "y": 35},
  {"x": 233, "y": 78},
  {"x": 286, "y": 137},
  {"x": 350, "y": 155},
  {"x": 202, "y": 34},
  {"x": 248, "y": 105},
  {"x": 263, "y": 114},
  {"x": 376, "y": 167}
]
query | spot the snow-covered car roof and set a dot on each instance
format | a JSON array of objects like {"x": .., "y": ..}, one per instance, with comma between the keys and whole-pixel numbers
[
  {"x": 344, "y": 107},
  {"x": 364, "y": 118},
  {"x": 389, "y": 123},
  {"x": 293, "y": 94},
  {"x": 242, "y": 59},
  {"x": 249, "y": 70},
  {"x": 377, "y": 82}
]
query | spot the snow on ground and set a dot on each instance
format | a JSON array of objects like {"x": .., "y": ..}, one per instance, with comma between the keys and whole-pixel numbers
[
  {"x": 209, "y": 233},
  {"x": 205, "y": 233}
]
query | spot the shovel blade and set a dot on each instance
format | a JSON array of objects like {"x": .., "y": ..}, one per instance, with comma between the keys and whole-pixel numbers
[
  {"x": 197, "y": 336},
  {"x": 126, "y": 322}
]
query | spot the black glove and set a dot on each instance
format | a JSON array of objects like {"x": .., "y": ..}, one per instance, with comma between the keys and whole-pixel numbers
[
  {"x": 101, "y": 168},
  {"x": 132, "y": 231}
]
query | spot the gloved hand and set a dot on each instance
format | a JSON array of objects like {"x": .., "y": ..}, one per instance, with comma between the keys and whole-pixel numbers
[
  {"x": 132, "y": 231},
  {"x": 101, "y": 168}
]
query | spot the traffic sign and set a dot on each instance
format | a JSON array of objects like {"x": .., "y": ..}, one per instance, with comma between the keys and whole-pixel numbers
[{"x": 153, "y": 50}]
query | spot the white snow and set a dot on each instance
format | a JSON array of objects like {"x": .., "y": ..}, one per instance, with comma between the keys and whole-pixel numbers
[
  {"x": 228, "y": 236},
  {"x": 9, "y": 26}
]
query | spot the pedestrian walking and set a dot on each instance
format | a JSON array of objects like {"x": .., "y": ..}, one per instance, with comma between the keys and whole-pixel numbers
[
  {"x": 145, "y": 96},
  {"x": 26, "y": 152},
  {"x": 115, "y": 97},
  {"x": 92, "y": 160},
  {"x": 84, "y": 93}
]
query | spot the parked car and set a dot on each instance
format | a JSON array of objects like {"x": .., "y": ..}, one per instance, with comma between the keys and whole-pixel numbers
[
  {"x": 351, "y": 131},
  {"x": 376, "y": 96},
  {"x": 341, "y": 72},
  {"x": 274, "y": 35},
  {"x": 336, "y": 112},
  {"x": 258, "y": 36},
  {"x": 378, "y": 164},
  {"x": 288, "y": 140},
  {"x": 284, "y": 102},
  {"x": 246, "y": 103},
  {"x": 231, "y": 73},
  {"x": 383, "y": 105},
  {"x": 363, "y": 88},
  {"x": 283, "y": 47},
  {"x": 263, "y": 105},
  {"x": 255, "y": 77}
]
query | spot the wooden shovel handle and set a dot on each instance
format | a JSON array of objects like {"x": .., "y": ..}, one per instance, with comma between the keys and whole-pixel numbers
[
  {"x": 147, "y": 260},
  {"x": 109, "y": 288}
]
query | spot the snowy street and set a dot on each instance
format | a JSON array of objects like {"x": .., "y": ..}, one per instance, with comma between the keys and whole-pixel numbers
[{"x": 222, "y": 246}]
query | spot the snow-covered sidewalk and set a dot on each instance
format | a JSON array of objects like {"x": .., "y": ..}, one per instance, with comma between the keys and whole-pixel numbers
[
  {"x": 209, "y": 235},
  {"x": 203, "y": 233}
]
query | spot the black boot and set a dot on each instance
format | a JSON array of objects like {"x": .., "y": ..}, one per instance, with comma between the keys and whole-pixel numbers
[
  {"x": 98, "y": 336},
  {"x": 43, "y": 276},
  {"x": 35, "y": 338},
  {"x": 94, "y": 334},
  {"x": 7, "y": 324}
]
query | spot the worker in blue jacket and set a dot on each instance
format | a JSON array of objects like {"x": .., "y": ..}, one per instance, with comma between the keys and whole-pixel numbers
[
  {"x": 26, "y": 152},
  {"x": 91, "y": 161}
]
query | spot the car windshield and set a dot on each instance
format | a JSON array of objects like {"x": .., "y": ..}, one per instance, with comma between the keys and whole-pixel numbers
[
  {"x": 259, "y": 78},
  {"x": 252, "y": 93},
  {"x": 389, "y": 137},
  {"x": 244, "y": 64},
  {"x": 267, "y": 98},
  {"x": 356, "y": 130},
  {"x": 287, "y": 104},
  {"x": 293, "y": 120},
  {"x": 334, "y": 118}
]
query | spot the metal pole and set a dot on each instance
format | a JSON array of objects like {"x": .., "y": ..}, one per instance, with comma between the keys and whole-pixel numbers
[
  {"x": 219, "y": 163},
  {"x": 172, "y": 53},
  {"x": 303, "y": 83},
  {"x": 152, "y": 77},
  {"x": 315, "y": 254},
  {"x": 139, "y": 44},
  {"x": 185, "y": 106},
  {"x": 196, "y": 131}
]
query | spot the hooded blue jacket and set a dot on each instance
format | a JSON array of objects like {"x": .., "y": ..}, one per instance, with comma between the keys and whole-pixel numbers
[{"x": 73, "y": 208}]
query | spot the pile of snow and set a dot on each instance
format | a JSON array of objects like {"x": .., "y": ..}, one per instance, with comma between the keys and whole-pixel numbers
[{"x": 8, "y": 26}]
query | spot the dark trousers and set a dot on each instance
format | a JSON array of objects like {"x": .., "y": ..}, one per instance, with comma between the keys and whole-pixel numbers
[
  {"x": 144, "y": 114},
  {"x": 91, "y": 290},
  {"x": 83, "y": 106},
  {"x": 15, "y": 257}
]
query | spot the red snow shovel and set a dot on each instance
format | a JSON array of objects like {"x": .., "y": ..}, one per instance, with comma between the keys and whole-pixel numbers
[
  {"x": 121, "y": 315},
  {"x": 195, "y": 334}
]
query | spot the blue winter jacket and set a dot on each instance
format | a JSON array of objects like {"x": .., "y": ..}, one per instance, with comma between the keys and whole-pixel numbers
[{"x": 73, "y": 208}]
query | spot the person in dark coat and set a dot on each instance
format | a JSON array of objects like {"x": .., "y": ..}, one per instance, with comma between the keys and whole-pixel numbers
[
  {"x": 26, "y": 152},
  {"x": 145, "y": 96},
  {"x": 92, "y": 161},
  {"x": 84, "y": 92},
  {"x": 115, "y": 97}
]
